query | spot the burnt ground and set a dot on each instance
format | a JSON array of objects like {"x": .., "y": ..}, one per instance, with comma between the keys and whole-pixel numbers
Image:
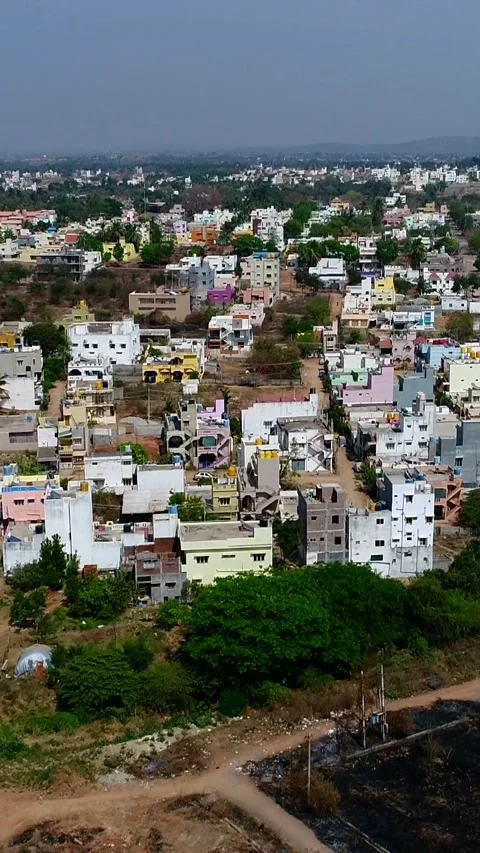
[{"x": 419, "y": 795}]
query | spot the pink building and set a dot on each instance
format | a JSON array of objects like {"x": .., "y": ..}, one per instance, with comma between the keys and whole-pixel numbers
[
  {"x": 379, "y": 389},
  {"x": 212, "y": 412},
  {"x": 221, "y": 296},
  {"x": 23, "y": 504}
]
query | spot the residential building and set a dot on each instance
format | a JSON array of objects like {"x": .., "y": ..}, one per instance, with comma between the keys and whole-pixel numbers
[
  {"x": 18, "y": 433},
  {"x": 199, "y": 280},
  {"x": 410, "y": 499},
  {"x": 73, "y": 262},
  {"x": 116, "y": 342},
  {"x": 378, "y": 389},
  {"x": 203, "y": 234},
  {"x": 217, "y": 549},
  {"x": 412, "y": 318},
  {"x": 221, "y": 296},
  {"x": 461, "y": 375},
  {"x": 407, "y": 387},
  {"x": 79, "y": 314},
  {"x": 265, "y": 272},
  {"x": 177, "y": 361},
  {"x": 399, "y": 435},
  {"x": 384, "y": 291},
  {"x": 129, "y": 251},
  {"x": 258, "y": 419},
  {"x": 330, "y": 271},
  {"x": 459, "y": 449},
  {"x": 225, "y": 504},
  {"x": 23, "y": 497},
  {"x": 73, "y": 443},
  {"x": 231, "y": 334},
  {"x": 198, "y": 436},
  {"x": 433, "y": 352},
  {"x": 447, "y": 485},
  {"x": 174, "y": 304},
  {"x": 112, "y": 472},
  {"x": 306, "y": 443},
  {"x": 259, "y": 483},
  {"x": 321, "y": 514}
]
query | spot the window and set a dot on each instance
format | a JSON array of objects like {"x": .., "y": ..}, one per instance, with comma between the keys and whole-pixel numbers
[
  {"x": 258, "y": 558},
  {"x": 124, "y": 462},
  {"x": 201, "y": 559},
  {"x": 18, "y": 503},
  {"x": 31, "y": 500},
  {"x": 390, "y": 445},
  {"x": 429, "y": 519},
  {"x": 376, "y": 558},
  {"x": 422, "y": 541},
  {"x": 380, "y": 521},
  {"x": 409, "y": 499},
  {"x": 458, "y": 461},
  {"x": 423, "y": 427},
  {"x": 228, "y": 556},
  {"x": 314, "y": 518},
  {"x": 409, "y": 521},
  {"x": 338, "y": 540},
  {"x": 335, "y": 519},
  {"x": 224, "y": 501},
  {"x": 379, "y": 543}
]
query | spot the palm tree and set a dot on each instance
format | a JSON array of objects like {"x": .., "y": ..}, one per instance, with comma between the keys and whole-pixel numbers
[
  {"x": 310, "y": 253},
  {"x": 4, "y": 394},
  {"x": 415, "y": 252},
  {"x": 227, "y": 396}
]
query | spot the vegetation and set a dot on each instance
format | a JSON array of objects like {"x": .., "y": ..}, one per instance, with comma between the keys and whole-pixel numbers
[
  {"x": 275, "y": 361},
  {"x": 139, "y": 454},
  {"x": 191, "y": 508},
  {"x": 48, "y": 571},
  {"x": 460, "y": 326},
  {"x": 470, "y": 512}
]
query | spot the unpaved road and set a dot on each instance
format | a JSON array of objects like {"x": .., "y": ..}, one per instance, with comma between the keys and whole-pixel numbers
[
  {"x": 55, "y": 396},
  {"x": 21, "y": 809}
]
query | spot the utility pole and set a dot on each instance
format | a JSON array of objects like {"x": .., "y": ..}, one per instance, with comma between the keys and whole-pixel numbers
[
  {"x": 362, "y": 701},
  {"x": 309, "y": 767},
  {"x": 148, "y": 404},
  {"x": 383, "y": 721}
]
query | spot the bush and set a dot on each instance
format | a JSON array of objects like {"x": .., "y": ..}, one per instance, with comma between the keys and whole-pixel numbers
[
  {"x": 166, "y": 688},
  {"x": 138, "y": 653},
  {"x": 324, "y": 796},
  {"x": 60, "y": 721},
  {"x": 170, "y": 614},
  {"x": 10, "y": 745},
  {"x": 95, "y": 681},
  {"x": 269, "y": 693},
  {"x": 232, "y": 702}
]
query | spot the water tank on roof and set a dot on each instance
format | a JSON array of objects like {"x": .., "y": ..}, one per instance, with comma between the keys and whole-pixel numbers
[
  {"x": 457, "y": 472},
  {"x": 420, "y": 477}
]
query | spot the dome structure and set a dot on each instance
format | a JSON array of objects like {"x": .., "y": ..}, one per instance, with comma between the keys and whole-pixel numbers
[{"x": 31, "y": 657}]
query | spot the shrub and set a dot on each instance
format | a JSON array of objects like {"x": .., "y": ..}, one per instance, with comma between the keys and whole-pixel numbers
[
  {"x": 232, "y": 702},
  {"x": 138, "y": 653},
  {"x": 269, "y": 694},
  {"x": 95, "y": 681},
  {"x": 324, "y": 796},
  {"x": 170, "y": 614},
  {"x": 166, "y": 688},
  {"x": 10, "y": 744}
]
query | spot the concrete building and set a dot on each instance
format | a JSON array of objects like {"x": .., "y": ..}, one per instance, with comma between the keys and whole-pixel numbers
[
  {"x": 174, "y": 304},
  {"x": 330, "y": 271},
  {"x": 112, "y": 472},
  {"x": 201, "y": 437},
  {"x": 410, "y": 499},
  {"x": 265, "y": 272},
  {"x": 459, "y": 449},
  {"x": 377, "y": 390},
  {"x": 117, "y": 342},
  {"x": 230, "y": 334},
  {"x": 199, "y": 280},
  {"x": 18, "y": 433},
  {"x": 224, "y": 498},
  {"x": 306, "y": 443},
  {"x": 259, "y": 419},
  {"x": 321, "y": 514},
  {"x": 259, "y": 484},
  {"x": 406, "y": 389},
  {"x": 384, "y": 291},
  {"x": 217, "y": 549},
  {"x": 405, "y": 435},
  {"x": 76, "y": 263}
]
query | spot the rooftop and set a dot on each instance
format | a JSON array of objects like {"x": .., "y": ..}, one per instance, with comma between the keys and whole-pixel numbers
[{"x": 216, "y": 531}]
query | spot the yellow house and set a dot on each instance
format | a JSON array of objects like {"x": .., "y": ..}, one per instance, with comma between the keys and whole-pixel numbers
[
  {"x": 9, "y": 338},
  {"x": 79, "y": 314},
  {"x": 225, "y": 496},
  {"x": 384, "y": 291},
  {"x": 216, "y": 549},
  {"x": 173, "y": 368},
  {"x": 129, "y": 251}
]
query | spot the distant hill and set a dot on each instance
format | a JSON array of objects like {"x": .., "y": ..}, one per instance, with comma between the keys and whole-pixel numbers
[{"x": 435, "y": 146}]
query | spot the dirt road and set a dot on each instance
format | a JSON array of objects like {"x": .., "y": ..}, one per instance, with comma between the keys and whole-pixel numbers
[
  {"x": 26, "y": 808},
  {"x": 55, "y": 396}
]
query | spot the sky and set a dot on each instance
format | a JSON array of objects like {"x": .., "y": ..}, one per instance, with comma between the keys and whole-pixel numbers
[{"x": 153, "y": 75}]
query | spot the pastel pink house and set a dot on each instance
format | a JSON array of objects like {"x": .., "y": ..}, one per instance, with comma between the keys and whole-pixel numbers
[
  {"x": 23, "y": 504},
  {"x": 378, "y": 390}
]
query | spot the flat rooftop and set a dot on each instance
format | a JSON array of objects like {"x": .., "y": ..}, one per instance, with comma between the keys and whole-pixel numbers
[{"x": 214, "y": 531}]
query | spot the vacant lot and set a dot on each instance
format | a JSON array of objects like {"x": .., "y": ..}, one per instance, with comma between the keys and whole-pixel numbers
[{"x": 419, "y": 794}]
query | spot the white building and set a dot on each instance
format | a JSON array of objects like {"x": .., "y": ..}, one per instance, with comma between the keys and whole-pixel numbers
[
  {"x": 330, "y": 270},
  {"x": 24, "y": 394},
  {"x": 117, "y": 342},
  {"x": 219, "y": 549},
  {"x": 307, "y": 444},
  {"x": 258, "y": 420},
  {"x": 396, "y": 541},
  {"x": 113, "y": 472}
]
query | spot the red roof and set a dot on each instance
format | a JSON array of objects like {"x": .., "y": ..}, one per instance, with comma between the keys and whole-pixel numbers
[
  {"x": 386, "y": 343},
  {"x": 434, "y": 276}
]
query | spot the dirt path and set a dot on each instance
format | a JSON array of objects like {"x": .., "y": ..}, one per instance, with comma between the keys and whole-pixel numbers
[
  {"x": 55, "y": 396},
  {"x": 346, "y": 475},
  {"x": 19, "y": 809}
]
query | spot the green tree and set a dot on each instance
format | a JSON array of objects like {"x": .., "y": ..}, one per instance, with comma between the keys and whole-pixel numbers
[
  {"x": 245, "y": 244},
  {"x": 387, "y": 251},
  {"x": 90, "y": 242},
  {"x": 377, "y": 212},
  {"x": 166, "y": 688},
  {"x": 103, "y": 597},
  {"x": 118, "y": 252},
  {"x": 470, "y": 512},
  {"x": 95, "y": 681},
  {"x": 26, "y": 609},
  {"x": 293, "y": 229},
  {"x": 368, "y": 479},
  {"x": 171, "y": 613},
  {"x": 287, "y": 537},
  {"x": 474, "y": 242},
  {"x": 139, "y": 454},
  {"x": 191, "y": 508},
  {"x": 275, "y": 361},
  {"x": 460, "y": 326},
  {"x": 138, "y": 653},
  {"x": 50, "y": 337},
  {"x": 416, "y": 252},
  {"x": 48, "y": 571}
]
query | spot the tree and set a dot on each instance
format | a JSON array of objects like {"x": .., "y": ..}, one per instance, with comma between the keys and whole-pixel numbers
[
  {"x": 416, "y": 252},
  {"x": 166, "y": 688},
  {"x": 170, "y": 614},
  {"x": 377, "y": 212},
  {"x": 26, "y": 609},
  {"x": 275, "y": 361},
  {"x": 470, "y": 512},
  {"x": 290, "y": 326},
  {"x": 48, "y": 571},
  {"x": 287, "y": 537},
  {"x": 72, "y": 580},
  {"x": 368, "y": 478},
  {"x": 138, "y": 653},
  {"x": 460, "y": 326},
  {"x": 103, "y": 597},
  {"x": 191, "y": 508},
  {"x": 387, "y": 251},
  {"x": 118, "y": 252},
  {"x": 95, "y": 681},
  {"x": 474, "y": 242},
  {"x": 245, "y": 244},
  {"x": 139, "y": 454},
  {"x": 293, "y": 229},
  {"x": 90, "y": 242},
  {"x": 50, "y": 337}
]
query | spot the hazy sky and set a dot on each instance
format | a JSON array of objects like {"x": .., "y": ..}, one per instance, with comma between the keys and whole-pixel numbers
[{"x": 119, "y": 75}]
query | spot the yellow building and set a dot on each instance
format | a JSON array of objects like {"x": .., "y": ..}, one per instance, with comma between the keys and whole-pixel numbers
[
  {"x": 384, "y": 291},
  {"x": 225, "y": 496},
  {"x": 170, "y": 368},
  {"x": 215, "y": 549},
  {"x": 129, "y": 251},
  {"x": 79, "y": 314},
  {"x": 10, "y": 338}
]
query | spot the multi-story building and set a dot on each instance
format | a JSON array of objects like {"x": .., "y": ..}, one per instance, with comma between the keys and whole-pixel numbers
[
  {"x": 225, "y": 502},
  {"x": 217, "y": 549},
  {"x": 259, "y": 483},
  {"x": 459, "y": 376},
  {"x": 306, "y": 444},
  {"x": 399, "y": 435},
  {"x": 230, "y": 334},
  {"x": 378, "y": 389},
  {"x": 384, "y": 291},
  {"x": 321, "y": 514},
  {"x": 201, "y": 437},
  {"x": 176, "y": 361},
  {"x": 174, "y": 304},
  {"x": 410, "y": 498},
  {"x": 259, "y": 419},
  {"x": 117, "y": 342},
  {"x": 265, "y": 272},
  {"x": 73, "y": 262},
  {"x": 113, "y": 472},
  {"x": 407, "y": 387}
]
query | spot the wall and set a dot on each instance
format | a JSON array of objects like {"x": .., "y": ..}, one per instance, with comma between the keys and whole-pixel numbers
[
  {"x": 23, "y": 505},
  {"x": 161, "y": 478},
  {"x": 407, "y": 388},
  {"x": 110, "y": 472},
  {"x": 70, "y": 516},
  {"x": 227, "y": 556}
]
